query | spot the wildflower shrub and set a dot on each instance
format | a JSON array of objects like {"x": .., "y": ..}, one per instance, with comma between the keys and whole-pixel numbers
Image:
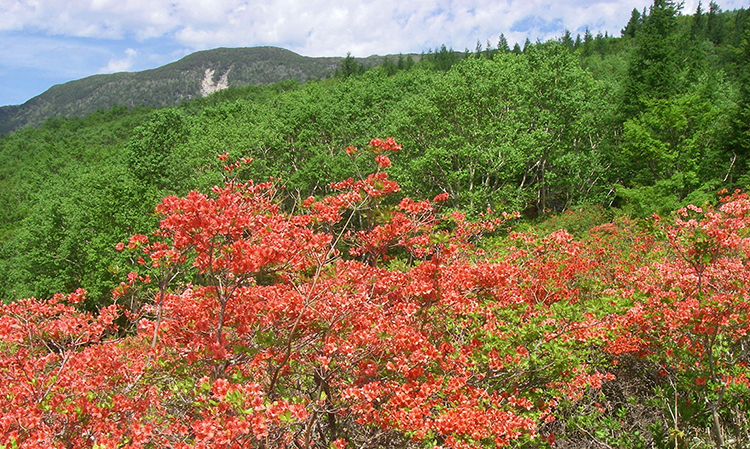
[{"x": 357, "y": 322}]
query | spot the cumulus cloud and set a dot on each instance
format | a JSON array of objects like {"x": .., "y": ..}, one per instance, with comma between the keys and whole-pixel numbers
[
  {"x": 122, "y": 64},
  {"x": 105, "y": 19},
  {"x": 75, "y": 38},
  {"x": 321, "y": 27},
  {"x": 327, "y": 28}
]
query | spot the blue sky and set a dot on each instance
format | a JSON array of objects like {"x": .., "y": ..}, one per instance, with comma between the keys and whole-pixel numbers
[{"x": 47, "y": 42}]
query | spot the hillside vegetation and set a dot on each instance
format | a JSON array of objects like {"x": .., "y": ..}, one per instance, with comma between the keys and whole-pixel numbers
[
  {"x": 555, "y": 126},
  {"x": 173, "y": 83},
  {"x": 291, "y": 312}
]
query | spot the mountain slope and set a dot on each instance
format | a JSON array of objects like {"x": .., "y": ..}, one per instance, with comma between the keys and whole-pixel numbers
[{"x": 193, "y": 76}]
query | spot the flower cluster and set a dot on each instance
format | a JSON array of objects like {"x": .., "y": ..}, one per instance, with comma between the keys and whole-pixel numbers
[
  {"x": 385, "y": 145},
  {"x": 254, "y": 327}
]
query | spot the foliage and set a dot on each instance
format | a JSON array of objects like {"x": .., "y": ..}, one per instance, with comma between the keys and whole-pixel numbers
[
  {"x": 499, "y": 132},
  {"x": 691, "y": 317},
  {"x": 68, "y": 197},
  {"x": 352, "y": 322},
  {"x": 150, "y": 150},
  {"x": 653, "y": 68},
  {"x": 541, "y": 131},
  {"x": 268, "y": 313}
]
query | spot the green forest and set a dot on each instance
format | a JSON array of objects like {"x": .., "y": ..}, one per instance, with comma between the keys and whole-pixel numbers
[
  {"x": 583, "y": 143},
  {"x": 638, "y": 124}
]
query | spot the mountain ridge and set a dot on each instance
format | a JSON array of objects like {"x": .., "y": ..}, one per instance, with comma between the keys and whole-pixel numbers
[{"x": 190, "y": 77}]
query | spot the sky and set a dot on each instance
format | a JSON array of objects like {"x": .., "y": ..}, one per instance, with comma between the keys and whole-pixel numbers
[{"x": 48, "y": 42}]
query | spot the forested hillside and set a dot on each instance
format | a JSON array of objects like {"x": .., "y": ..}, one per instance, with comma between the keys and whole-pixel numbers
[
  {"x": 643, "y": 123},
  {"x": 289, "y": 310},
  {"x": 194, "y": 76}
]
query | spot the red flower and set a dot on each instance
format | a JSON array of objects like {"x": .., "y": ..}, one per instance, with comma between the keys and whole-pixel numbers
[
  {"x": 383, "y": 161},
  {"x": 391, "y": 144},
  {"x": 442, "y": 197}
]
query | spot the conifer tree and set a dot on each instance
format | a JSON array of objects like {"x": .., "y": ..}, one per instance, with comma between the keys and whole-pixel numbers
[
  {"x": 567, "y": 40},
  {"x": 654, "y": 65},
  {"x": 409, "y": 63},
  {"x": 502, "y": 44},
  {"x": 587, "y": 42},
  {"x": 698, "y": 27},
  {"x": 600, "y": 44},
  {"x": 740, "y": 134},
  {"x": 633, "y": 24},
  {"x": 348, "y": 66},
  {"x": 714, "y": 24},
  {"x": 526, "y": 45}
]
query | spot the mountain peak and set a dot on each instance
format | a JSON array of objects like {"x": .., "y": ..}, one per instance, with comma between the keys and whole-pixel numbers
[{"x": 196, "y": 75}]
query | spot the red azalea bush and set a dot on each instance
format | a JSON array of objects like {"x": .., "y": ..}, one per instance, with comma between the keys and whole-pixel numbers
[{"x": 348, "y": 323}]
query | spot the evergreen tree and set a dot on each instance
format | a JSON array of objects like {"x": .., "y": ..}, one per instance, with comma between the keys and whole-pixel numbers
[
  {"x": 349, "y": 66},
  {"x": 739, "y": 140},
  {"x": 388, "y": 67},
  {"x": 653, "y": 69},
  {"x": 633, "y": 24},
  {"x": 714, "y": 24},
  {"x": 740, "y": 26},
  {"x": 502, "y": 44},
  {"x": 517, "y": 49},
  {"x": 698, "y": 27},
  {"x": 600, "y": 44},
  {"x": 445, "y": 58},
  {"x": 567, "y": 40},
  {"x": 698, "y": 56},
  {"x": 409, "y": 63},
  {"x": 587, "y": 42}
]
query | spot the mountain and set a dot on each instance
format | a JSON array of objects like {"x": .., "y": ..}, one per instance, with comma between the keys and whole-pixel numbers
[{"x": 193, "y": 76}]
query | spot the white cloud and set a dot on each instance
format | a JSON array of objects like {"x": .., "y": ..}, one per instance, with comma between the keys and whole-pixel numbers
[
  {"x": 120, "y": 65},
  {"x": 75, "y": 38},
  {"x": 321, "y": 27},
  {"x": 107, "y": 19}
]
